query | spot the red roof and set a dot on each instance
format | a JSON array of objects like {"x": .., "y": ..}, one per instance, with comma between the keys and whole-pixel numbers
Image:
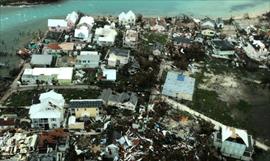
[
  {"x": 54, "y": 46},
  {"x": 51, "y": 137},
  {"x": 7, "y": 122}
]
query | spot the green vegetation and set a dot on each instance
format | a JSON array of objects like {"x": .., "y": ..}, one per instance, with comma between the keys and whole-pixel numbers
[
  {"x": 69, "y": 94},
  {"x": 25, "y": 98},
  {"x": 156, "y": 37},
  {"x": 209, "y": 104}
]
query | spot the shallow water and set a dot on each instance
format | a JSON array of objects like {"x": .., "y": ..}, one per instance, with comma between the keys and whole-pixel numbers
[
  {"x": 16, "y": 19},
  {"x": 13, "y": 16}
]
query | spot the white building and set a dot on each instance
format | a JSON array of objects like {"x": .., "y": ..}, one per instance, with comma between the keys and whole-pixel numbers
[
  {"x": 87, "y": 20},
  {"x": 49, "y": 113},
  {"x": 235, "y": 143},
  {"x": 208, "y": 24},
  {"x": 109, "y": 74},
  {"x": 118, "y": 56},
  {"x": 83, "y": 33},
  {"x": 47, "y": 75},
  {"x": 57, "y": 25},
  {"x": 131, "y": 38},
  {"x": 72, "y": 19},
  {"x": 88, "y": 59},
  {"x": 128, "y": 18},
  {"x": 105, "y": 36}
]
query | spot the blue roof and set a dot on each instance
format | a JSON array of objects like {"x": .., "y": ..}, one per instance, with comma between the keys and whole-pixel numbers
[
  {"x": 178, "y": 84},
  {"x": 180, "y": 77}
]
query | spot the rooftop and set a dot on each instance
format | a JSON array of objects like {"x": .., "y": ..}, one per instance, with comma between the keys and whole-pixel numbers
[
  {"x": 177, "y": 83},
  {"x": 57, "y": 22},
  {"x": 223, "y": 45},
  {"x": 38, "y": 59},
  {"x": 119, "y": 52},
  {"x": 85, "y": 103}
]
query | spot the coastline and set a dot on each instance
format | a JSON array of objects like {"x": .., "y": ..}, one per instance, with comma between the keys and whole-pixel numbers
[{"x": 26, "y": 4}]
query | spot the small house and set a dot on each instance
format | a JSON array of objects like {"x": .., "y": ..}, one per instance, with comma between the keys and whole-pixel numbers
[
  {"x": 222, "y": 48},
  {"x": 85, "y": 108},
  {"x": 179, "y": 86},
  {"x": 67, "y": 47},
  {"x": 52, "y": 49},
  {"x": 88, "y": 59},
  {"x": 219, "y": 23},
  {"x": 44, "y": 60},
  {"x": 128, "y": 18},
  {"x": 86, "y": 21},
  {"x": 181, "y": 41},
  {"x": 109, "y": 74},
  {"x": 234, "y": 143},
  {"x": 125, "y": 100},
  {"x": 208, "y": 23},
  {"x": 83, "y": 33},
  {"x": 117, "y": 56},
  {"x": 72, "y": 18},
  {"x": 208, "y": 33},
  {"x": 57, "y": 25},
  {"x": 105, "y": 36},
  {"x": 130, "y": 39}
]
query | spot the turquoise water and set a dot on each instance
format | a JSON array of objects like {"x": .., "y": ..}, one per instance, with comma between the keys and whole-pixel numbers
[
  {"x": 11, "y": 17},
  {"x": 27, "y": 19}
]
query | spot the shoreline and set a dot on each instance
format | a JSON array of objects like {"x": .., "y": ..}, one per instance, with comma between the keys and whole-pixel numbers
[{"x": 26, "y": 4}]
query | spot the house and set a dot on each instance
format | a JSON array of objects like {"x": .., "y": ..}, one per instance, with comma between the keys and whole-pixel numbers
[
  {"x": 87, "y": 21},
  {"x": 158, "y": 49},
  {"x": 62, "y": 75},
  {"x": 72, "y": 18},
  {"x": 105, "y": 36},
  {"x": 118, "y": 56},
  {"x": 125, "y": 100},
  {"x": 109, "y": 74},
  {"x": 49, "y": 113},
  {"x": 208, "y": 23},
  {"x": 130, "y": 39},
  {"x": 182, "y": 41},
  {"x": 128, "y": 18},
  {"x": 208, "y": 33},
  {"x": 83, "y": 33},
  {"x": 219, "y": 23},
  {"x": 44, "y": 60},
  {"x": 234, "y": 143},
  {"x": 52, "y": 49},
  {"x": 73, "y": 124},
  {"x": 222, "y": 48},
  {"x": 57, "y": 25},
  {"x": 52, "y": 144},
  {"x": 88, "y": 59},
  {"x": 6, "y": 123},
  {"x": 67, "y": 47},
  {"x": 158, "y": 28},
  {"x": 179, "y": 86},
  {"x": 85, "y": 108}
]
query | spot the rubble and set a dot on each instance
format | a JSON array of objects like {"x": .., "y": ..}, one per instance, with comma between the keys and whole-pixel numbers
[{"x": 128, "y": 61}]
